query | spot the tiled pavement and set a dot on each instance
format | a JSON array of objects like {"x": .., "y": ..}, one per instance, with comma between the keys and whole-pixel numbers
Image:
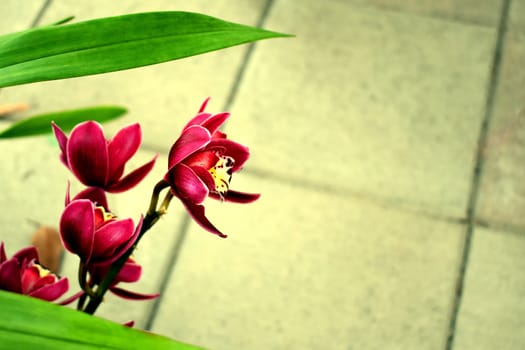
[{"x": 388, "y": 142}]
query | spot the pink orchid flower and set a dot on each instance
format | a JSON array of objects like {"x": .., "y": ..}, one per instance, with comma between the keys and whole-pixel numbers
[
  {"x": 98, "y": 162},
  {"x": 94, "y": 234},
  {"x": 201, "y": 163},
  {"x": 24, "y": 275}
]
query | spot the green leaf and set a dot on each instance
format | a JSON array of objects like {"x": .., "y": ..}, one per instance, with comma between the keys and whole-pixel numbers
[
  {"x": 29, "y": 323},
  {"x": 41, "y": 124},
  {"x": 64, "y": 21},
  {"x": 115, "y": 43}
]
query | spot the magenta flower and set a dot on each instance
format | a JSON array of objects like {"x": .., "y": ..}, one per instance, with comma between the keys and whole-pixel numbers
[
  {"x": 98, "y": 162},
  {"x": 130, "y": 273},
  {"x": 94, "y": 234},
  {"x": 24, "y": 275},
  {"x": 201, "y": 164}
]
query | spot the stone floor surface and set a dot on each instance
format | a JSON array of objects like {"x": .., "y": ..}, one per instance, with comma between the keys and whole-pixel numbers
[{"x": 387, "y": 140}]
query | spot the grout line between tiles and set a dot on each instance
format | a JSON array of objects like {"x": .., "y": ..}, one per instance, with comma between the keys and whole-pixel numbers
[
  {"x": 41, "y": 13},
  {"x": 182, "y": 232},
  {"x": 170, "y": 266},
  {"x": 503, "y": 227},
  {"x": 434, "y": 15},
  {"x": 478, "y": 168},
  {"x": 247, "y": 55}
]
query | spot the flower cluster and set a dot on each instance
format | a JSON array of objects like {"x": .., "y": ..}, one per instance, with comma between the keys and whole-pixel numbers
[
  {"x": 24, "y": 275},
  {"x": 201, "y": 164},
  {"x": 87, "y": 226}
]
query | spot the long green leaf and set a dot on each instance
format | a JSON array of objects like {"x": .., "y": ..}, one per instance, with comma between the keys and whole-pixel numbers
[
  {"x": 115, "y": 43},
  {"x": 41, "y": 124},
  {"x": 28, "y": 324}
]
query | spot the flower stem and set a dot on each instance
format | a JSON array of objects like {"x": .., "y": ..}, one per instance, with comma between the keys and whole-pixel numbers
[{"x": 152, "y": 216}]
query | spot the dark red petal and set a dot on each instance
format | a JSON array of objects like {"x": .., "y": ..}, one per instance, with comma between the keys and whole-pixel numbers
[
  {"x": 232, "y": 149},
  {"x": 237, "y": 197},
  {"x": 197, "y": 212},
  {"x": 197, "y": 120},
  {"x": 27, "y": 254},
  {"x": 205, "y": 176},
  {"x": 130, "y": 272},
  {"x": 214, "y": 122},
  {"x": 51, "y": 292},
  {"x": 10, "y": 276},
  {"x": 62, "y": 142},
  {"x": 72, "y": 298},
  {"x": 30, "y": 278},
  {"x": 129, "y": 324},
  {"x": 121, "y": 148},
  {"x": 203, "y": 106},
  {"x": 123, "y": 248},
  {"x": 68, "y": 194},
  {"x": 132, "y": 179},
  {"x": 95, "y": 195},
  {"x": 187, "y": 184},
  {"x": 111, "y": 236},
  {"x": 203, "y": 159},
  {"x": 77, "y": 228},
  {"x": 126, "y": 294},
  {"x": 87, "y": 153},
  {"x": 3, "y": 257},
  {"x": 191, "y": 140}
]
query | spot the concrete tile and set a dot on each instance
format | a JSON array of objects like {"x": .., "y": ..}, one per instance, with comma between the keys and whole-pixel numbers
[
  {"x": 517, "y": 15},
  {"x": 502, "y": 194},
  {"x": 33, "y": 188},
  {"x": 485, "y": 12},
  {"x": 162, "y": 97},
  {"x": 18, "y": 15},
  {"x": 492, "y": 314},
  {"x": 152, "y": 252},
  {"x": 306, "y": 270},
  {"x": 388, "y": 106}
]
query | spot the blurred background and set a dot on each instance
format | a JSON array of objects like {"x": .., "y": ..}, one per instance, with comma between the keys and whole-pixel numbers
[{"x": 387, "y": 141}]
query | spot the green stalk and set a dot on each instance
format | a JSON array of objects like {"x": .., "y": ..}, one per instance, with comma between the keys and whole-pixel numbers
[{"x": 152, "y": 216}]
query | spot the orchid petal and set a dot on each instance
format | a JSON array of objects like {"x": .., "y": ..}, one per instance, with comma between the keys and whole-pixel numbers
[
  {"x": 218, "y": 135},
  {"x": 197, "y": 212},
  {"x": 187, "y": 184},
  {"x": 72, "y": 298},
  {"x": 191, "y": 140},
  {"x": 87, "y": 154},
  {"x": 129, "y": 273},
  {"x": 10, "y": 276},
  {"x": 236, "y": 197},
  {"x": 203, "y": 106},
  {"x": 121, "y": 148},
  {"x": 3, "y": 256},
  {"x": 62, "y": 142},
  {"x": 122, "y": 248},
  {"x": 26, "y": 254},
  {"x": 95, "y": 195},
  {"x": 233, "y": 149},
  {"x": 129, "y": 324},
  {"x": 77, "y": 228},
  {"x": 197, "y": 120},
  {"x": 126, "y": 294},
  {"x": 51, "y": 292},
  {"x": 205, "y": 176},
  {"x": 214, "y": 122},
  {"x": 133, "y": 178},
  {"x": 111, "y": 236},
  {"x": 203, "y": 159}
]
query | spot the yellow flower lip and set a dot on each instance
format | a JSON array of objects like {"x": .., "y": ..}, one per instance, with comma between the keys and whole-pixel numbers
[
  {"x": 42, "y": 271},
  {"x": 222, "y": 174}
]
